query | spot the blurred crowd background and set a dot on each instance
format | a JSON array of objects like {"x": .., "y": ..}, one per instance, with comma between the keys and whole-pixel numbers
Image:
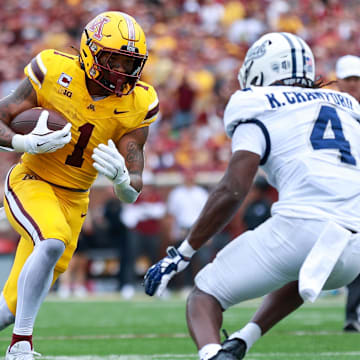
[{"x": 195, "y": 50}]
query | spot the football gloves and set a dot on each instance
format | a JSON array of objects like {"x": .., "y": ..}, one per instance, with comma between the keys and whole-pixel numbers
[
  {"x": 158, "y": 275},
  {"x": 41, "y": 139},
  {"x": 109, "y": 162}
]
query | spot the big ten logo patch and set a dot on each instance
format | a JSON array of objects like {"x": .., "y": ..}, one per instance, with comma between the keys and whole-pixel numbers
[
  {"x": 64, "y": 80},
  {"x": 65, "y": 92}
]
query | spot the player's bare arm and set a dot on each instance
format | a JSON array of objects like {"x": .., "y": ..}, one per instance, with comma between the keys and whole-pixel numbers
[
  {"x": 226, "y": 198},
  {"x": 123, "y": 163},
  {"x": 221, "y": 206},
  {"x": 23, "y": 98},
  {"x": 131, "y": 146}
]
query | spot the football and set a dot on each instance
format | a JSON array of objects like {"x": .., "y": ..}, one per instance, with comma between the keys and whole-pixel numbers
[{"x": 26, "y": 121}]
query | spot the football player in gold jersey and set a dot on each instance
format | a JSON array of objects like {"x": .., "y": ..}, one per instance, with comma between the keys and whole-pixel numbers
[{"x": 47, "y": 193}]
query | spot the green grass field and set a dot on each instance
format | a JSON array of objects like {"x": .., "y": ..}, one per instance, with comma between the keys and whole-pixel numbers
[{"x": 149, "y": 329}]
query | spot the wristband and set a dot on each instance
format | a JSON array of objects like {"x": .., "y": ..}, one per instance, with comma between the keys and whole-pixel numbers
[
  {"x": 18, "y": 143},
  {"x": 125, "y": 192},
  {"x": 186, "y": 249}
]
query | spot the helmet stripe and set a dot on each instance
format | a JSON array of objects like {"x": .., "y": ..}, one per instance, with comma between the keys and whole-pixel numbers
[
  {"x": 293, "y": 53},
  {"x": 131, "y": 30},
  {"x": 303, "y": 54}
]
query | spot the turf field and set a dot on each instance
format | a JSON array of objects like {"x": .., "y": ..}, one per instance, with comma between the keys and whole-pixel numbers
[{"x": 149, "y": 329}]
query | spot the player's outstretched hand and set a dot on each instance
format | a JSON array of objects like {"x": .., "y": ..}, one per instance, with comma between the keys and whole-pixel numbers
[
  {"x": 158, "y": 275},
  {"x": 41, "y": 139},
  {"x": 109, "y": 162}
]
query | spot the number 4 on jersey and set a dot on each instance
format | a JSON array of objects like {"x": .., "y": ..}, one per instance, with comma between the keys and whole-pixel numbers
[{"x": 318, "y": 141}]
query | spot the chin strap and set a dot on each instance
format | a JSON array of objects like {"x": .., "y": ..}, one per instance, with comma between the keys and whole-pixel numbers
[{"x": 119, "y": 87}]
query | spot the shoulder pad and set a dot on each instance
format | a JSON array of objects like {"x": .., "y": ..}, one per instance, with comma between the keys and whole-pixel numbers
[
  {"x": 150, "y": 101},
  {"x": 243, "y": 105},
  {"x": 39, "y": 66}
]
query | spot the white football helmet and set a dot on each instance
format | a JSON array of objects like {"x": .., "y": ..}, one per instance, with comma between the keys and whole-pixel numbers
[{"x": 278, "y": 57}]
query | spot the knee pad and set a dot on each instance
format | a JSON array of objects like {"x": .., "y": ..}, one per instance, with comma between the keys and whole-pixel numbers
[{"x": 52, "y": 249}]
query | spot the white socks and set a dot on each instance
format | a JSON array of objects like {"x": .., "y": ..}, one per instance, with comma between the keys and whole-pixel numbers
[
  {"x": 250, "y": 333},
  {"x": 208, "y": 351},
  {"x": 34, "y": 283}
]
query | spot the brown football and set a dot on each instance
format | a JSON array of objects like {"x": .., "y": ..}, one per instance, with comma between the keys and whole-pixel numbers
[{"x": 26, "y": 121}]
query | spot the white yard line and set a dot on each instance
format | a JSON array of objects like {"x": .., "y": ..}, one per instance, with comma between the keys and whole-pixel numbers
[
  {"x": 304, "y": 355},
  {"x": 121, "y": 357},
  {"x": 110, "y": 336},
  {"x": 158, "y": 336},
  {"x": 251, "y": 356}
]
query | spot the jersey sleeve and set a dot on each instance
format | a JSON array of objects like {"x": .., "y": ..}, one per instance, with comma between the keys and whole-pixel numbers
[
  {"x": 152, "y": 107},
  {"x": 244, "y": 105},
  {"x": 37, "y": 69},
  {"x": 249, "y": 137}
]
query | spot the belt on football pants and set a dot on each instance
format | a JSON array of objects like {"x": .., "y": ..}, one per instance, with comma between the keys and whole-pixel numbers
[
  {"x": 321, "y": 260},
  {"x": 67, "y": 188}
]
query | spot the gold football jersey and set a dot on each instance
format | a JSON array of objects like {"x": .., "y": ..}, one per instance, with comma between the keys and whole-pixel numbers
[{"x": 60, "y": 85}]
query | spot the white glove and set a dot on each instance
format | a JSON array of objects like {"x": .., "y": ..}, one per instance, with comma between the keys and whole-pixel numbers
[
  {"x": 109, "y": 162},
  {"x": 41, "y": 139}
]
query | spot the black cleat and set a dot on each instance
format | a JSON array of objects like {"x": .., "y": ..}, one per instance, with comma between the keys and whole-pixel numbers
[
  {"x": 223, "y": 355},
  {"x": 236, "y": 347},
  {"x": 353, "y": 326}
]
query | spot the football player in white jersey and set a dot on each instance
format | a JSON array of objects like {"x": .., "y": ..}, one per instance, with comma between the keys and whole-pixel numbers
[
  {"x": 282, "y": 302},
  {"x": 305, "y": 138}
]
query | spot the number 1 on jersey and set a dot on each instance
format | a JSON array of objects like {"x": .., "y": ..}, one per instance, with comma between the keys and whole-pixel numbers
[
  {"x": 76, "y": 158},
  {"x": 318, "y": 141}
]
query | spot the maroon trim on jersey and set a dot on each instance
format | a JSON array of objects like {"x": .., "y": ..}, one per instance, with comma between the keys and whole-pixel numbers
[
  {"x": 152, "y": 112},
  {"x": 61, "y": 54},
  {"x": 142, "y": 86},
  {"x": 23, "y": 211},
  {"x": 37, "y": 71}
]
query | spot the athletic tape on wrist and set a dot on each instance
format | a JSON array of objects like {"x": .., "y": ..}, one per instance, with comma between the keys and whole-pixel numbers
[
  {"x": 125, "y": 192},
  {"x": 185, "y": 249}
]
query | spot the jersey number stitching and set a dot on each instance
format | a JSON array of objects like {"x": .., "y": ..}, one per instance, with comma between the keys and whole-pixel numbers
[
  {"x": 318, "y": 141},
  {"x": 76, "y": 158}
]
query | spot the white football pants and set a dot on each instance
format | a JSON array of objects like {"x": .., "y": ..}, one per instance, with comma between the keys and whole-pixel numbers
[{"x": 260, "y": 261}]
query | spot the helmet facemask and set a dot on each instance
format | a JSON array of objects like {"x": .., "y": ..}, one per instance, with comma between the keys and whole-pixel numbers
[{"x": 106, "y": 61}]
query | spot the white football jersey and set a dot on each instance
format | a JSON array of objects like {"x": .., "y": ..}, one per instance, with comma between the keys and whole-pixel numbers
[{"x": 309, "y": 144}]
